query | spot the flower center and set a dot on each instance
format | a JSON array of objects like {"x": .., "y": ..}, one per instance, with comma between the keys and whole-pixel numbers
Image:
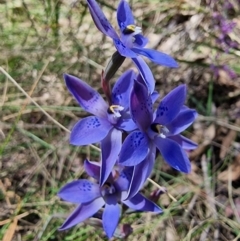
[
  {"x": 115, "y": 110},
  {"x": 160, "y": 129},
  {"x": 107, "y": 189},
  {"x": 127, "y": 36},
  {"x": 132, "y": 29}
]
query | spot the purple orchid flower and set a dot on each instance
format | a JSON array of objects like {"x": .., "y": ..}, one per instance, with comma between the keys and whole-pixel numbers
[
  {"x": 131, "y": 42},
  {"x": 159, "y": 130},
  {"x": 108, "y": 122},
  {"x": 91, "y": 197}
]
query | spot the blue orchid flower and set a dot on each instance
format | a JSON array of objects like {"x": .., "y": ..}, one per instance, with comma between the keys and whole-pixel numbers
[
  {"x": 131, "y": 42},
  {"x": 91, "y": 197},
  {"x": 159, "y": 130},
  {"x": 109, "y": 120}
]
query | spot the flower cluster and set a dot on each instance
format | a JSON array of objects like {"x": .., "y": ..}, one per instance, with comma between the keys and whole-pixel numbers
[
  {"x": 224, "y": 27},
  {"x": 130, "y": 131}
]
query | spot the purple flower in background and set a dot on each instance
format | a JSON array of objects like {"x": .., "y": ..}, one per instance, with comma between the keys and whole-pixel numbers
[
  {"x": 232, "y": 74},
  {"x": 91, "y": 197},
  {"x": 131, "y": 42},
  {"x": 216, "y": 71},
  {"x": 108, "y": 121},
  {"x": 225, "y": 27},
  {"x": 159, "y": 130}
]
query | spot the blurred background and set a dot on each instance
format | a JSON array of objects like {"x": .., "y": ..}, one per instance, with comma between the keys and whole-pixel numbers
[{"x": 42, "y": 39}]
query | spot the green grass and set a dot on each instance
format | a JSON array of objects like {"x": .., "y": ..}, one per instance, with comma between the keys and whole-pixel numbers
[{"x": 42, "y": 40}]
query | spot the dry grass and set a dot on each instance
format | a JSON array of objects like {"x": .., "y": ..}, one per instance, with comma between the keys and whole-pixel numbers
[{"x": 41, "y": 40}]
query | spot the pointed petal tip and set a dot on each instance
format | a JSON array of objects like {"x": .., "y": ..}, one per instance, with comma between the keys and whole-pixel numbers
[
  {"x": 68, "y": 78},
  {"x": 72, "y": 141},
  {"x": 182, "y": 86},
  {"x": 195, "y": 114},
  {"x": 157, "y": 210},
  {"x": 61, "y": 228},
  {"x": 174, "y": 64},
  {"x": 186, "y": 169}
]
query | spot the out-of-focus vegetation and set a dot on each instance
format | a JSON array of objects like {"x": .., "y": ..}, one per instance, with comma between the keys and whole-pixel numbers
[{"x": 42, "y": 39}]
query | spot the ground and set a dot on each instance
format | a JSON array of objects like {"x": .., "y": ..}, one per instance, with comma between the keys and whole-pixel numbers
[{"x": 41, "y": 40}]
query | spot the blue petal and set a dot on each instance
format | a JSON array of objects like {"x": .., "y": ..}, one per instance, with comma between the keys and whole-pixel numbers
[
  {"x": 100, "y": 19},
  {"x": 80, "y": 191},
  {"x": 82, "y": 212},
  {"x": 88, "y": 98},
  {"x": 111, "y": 215},
  {"x": 89, "y": 130},
  {"x": 182, "y": 121},
  {"x": 124, "y": 179},
  {"x": 171, "y": 105},
  {"x": 126, "y": 124},
  {"x": 140, "y": 41},
  {"x": 141, "y": 172},
  {"x": 157, "y": 57},
  {"x": 92, "y": 169},
  {"x": 122, "y": 88},
  {"x": 154, "y": 96},
  {"x": 110, "y": 146},
  {"x": 173, "y": 154},
  {"x": 124, "y": 50},
  {"x": 184, "y": 142},
  {"x": 124, "y": 15},
  {"x": 139, "y": 202},
  {"x": 145, "y": 72},
  {"x": 134, "y": 149},
  {"x": 141, "y": 106}
]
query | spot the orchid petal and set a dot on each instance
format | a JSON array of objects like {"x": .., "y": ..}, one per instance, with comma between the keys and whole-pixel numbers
[
  {"x": 89, "y": 130},
  {"x": 110, "y": 146},
  {"x": 82, "y": 212},
  {"x": 184, "y": 108},
  {"x": 80, "y": 191},
  {"x": 100, "y": 19},
  {"x": 157, "y": 57},
  {"x": 140, "y": 41},
  {"x": 182, "y": 122},
  {"x": 111, "y": 215},
  {"x": 122, "y": 88},
  {"x": 141, "y": 172},
  {"x": 171, "y": 105},
  {"x": 145, "y": 72},
  {"x": 88, "y": 98},
  {"x": 134, "y": 149},
  {"x": 154, "y": 96},
  {"x": 124, "y": 50},
  {"x": 184, "y": 142},
  {"x": 173, "y": 154},
  {"x": 92, "y": 169},
  {"x": 139, "y": 202},
  {"x": 126, "y": 124},
  {"x": 124, "y": 179},
  {"x": 124, "y": 15},
  {"x": 141, "y": 106}
]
